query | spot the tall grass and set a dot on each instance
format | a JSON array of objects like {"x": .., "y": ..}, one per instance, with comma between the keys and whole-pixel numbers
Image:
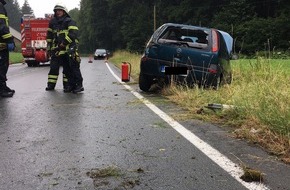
[
  {"x": 260, "y": 91},
  {"x": 263, "y": 89}
]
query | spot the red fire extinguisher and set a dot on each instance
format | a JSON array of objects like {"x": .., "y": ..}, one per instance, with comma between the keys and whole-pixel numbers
[{"x": 126, "y": 71}]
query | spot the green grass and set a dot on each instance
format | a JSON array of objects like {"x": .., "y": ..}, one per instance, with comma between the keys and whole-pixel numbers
[
  {"x": 260, "y": 94},
  {"x": 15, "y": 57},
  {"x": 262, "y": 88}
]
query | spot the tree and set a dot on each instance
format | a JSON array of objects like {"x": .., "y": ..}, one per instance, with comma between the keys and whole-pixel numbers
[
  {"x": 26, "y": 9},
  {"x": 14, "y": 14},
  {"x": 128, "y": 24},
  {"x": 74, "y": 14}
]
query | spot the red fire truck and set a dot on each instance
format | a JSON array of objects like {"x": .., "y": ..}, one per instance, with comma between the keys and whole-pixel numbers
[{"x": 33, "y": 37}]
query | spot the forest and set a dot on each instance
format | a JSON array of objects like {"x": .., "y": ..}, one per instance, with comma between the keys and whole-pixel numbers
[{"x": 257, "y": 26}]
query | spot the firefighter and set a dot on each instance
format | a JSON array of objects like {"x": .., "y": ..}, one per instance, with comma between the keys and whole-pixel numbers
[
  {"x": 6, "y": 45},
  {"x": 62, "y": 40}
]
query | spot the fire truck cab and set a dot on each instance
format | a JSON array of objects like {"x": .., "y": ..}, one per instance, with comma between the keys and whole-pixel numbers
[{"x": 33, "y": 39}]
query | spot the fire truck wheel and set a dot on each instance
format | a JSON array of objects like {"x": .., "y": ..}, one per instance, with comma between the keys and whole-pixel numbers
[
  {"x": 32, "y": 63},
  {"x": 29, "y": 64},
  {"x": 36, "y": 64}
]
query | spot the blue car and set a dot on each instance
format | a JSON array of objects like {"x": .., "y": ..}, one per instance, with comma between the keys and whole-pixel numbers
[{"x": 186, "y": 54}]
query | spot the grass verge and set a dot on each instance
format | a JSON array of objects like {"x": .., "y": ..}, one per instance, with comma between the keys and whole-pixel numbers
[{"x": 15, "y": 57}]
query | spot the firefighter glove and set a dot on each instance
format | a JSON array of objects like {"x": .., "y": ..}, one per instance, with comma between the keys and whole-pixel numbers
[{"x": 11, "y": 46}]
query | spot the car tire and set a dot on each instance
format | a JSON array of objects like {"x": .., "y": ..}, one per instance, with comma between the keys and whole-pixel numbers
[
  {"x": 36, "y": 64},
  {"x": 29, "y": 63},
  {"x": 145, "y": 82},
  {"x": 32, "y": 63}
]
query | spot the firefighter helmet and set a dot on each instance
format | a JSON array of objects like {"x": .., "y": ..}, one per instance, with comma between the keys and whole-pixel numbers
[{"x": 60, "y": 6}]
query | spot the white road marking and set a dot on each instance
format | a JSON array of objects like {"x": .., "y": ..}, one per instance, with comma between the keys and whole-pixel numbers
[{"x": 233, "y": 169}]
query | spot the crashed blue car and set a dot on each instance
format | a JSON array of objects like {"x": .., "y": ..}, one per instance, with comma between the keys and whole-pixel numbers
[{"x": 186, "y": 54}]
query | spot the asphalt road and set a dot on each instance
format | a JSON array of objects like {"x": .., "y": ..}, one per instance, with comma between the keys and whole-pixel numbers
[{"x": 107, "y": 138}]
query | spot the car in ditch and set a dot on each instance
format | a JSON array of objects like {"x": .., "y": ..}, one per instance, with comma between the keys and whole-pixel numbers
[{"x": 186, "y": 54}]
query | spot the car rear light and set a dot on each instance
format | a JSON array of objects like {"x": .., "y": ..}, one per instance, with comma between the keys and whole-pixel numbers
[
  {"x": 215, "y": 46},
  {"x": 144, "y": 58},
  {"x": 212, "y": 68}
]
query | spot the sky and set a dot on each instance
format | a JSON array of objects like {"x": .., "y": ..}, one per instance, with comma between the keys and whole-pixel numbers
[{"x": 42, "y": 7}]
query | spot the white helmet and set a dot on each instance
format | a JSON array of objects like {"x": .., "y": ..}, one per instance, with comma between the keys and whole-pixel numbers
[{"x": 60, "y": 6}]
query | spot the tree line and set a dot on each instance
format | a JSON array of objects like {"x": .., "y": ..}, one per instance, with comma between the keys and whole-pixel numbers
[{"x": 255, "y": 25}]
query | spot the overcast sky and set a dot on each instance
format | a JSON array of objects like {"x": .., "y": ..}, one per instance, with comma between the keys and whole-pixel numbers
[{"x": 41, "y": 7}]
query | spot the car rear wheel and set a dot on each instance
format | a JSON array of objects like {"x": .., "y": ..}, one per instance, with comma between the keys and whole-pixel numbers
[{"x": 145, "y": 82}]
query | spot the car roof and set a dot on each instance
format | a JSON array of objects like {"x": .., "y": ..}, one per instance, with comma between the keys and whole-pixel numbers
[{"x": 186, "y": 26}]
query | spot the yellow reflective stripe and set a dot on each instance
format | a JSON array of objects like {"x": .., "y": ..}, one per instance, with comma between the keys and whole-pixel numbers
[
  {"x": 72, "y": 28},
  {"x": 49, "y": 30},
  {"x": 68, "y": 39},
  {"x": 63, "y": 32},
  {"x": 49, "y": 40},
  {"x": 65, "y": 80},
  {"x": 5, "y": 36},
  {"x": 54, "y": 47},
  {"x": 52, "y": 80},
  {"x": 4, "y": 17},
  {"x": 3, "y": 46},
  {"x": 61, "y": 52},
  {"x": 52, "y": 76}
]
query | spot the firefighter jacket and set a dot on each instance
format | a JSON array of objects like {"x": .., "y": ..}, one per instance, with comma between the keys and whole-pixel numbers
[
  {"x": 62, "y": 31},
  {"x": 5, "y": 35}
]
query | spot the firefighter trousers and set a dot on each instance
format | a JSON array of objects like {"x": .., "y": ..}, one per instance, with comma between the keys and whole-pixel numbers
[
  {"x": 4, "y": 65},
  {"x": 76, "y": 78},
  {"x": 55, "y": 63}
]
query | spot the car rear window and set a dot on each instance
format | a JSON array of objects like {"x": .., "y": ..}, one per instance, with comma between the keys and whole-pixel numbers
[{"x": 185, "y": 36}]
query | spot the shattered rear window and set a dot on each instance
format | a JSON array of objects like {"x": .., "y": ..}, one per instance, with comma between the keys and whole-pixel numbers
[{"x": 191, "y": 37}]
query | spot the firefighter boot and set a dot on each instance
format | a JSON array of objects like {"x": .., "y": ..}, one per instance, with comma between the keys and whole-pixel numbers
[
  {"x": 50, "y": 87},
  {"x": 78, "y": 88},
  {"x": 67, "y": 89},
  {"x": 6, "y": 88},
  {"x": 4, "y": 92}
]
